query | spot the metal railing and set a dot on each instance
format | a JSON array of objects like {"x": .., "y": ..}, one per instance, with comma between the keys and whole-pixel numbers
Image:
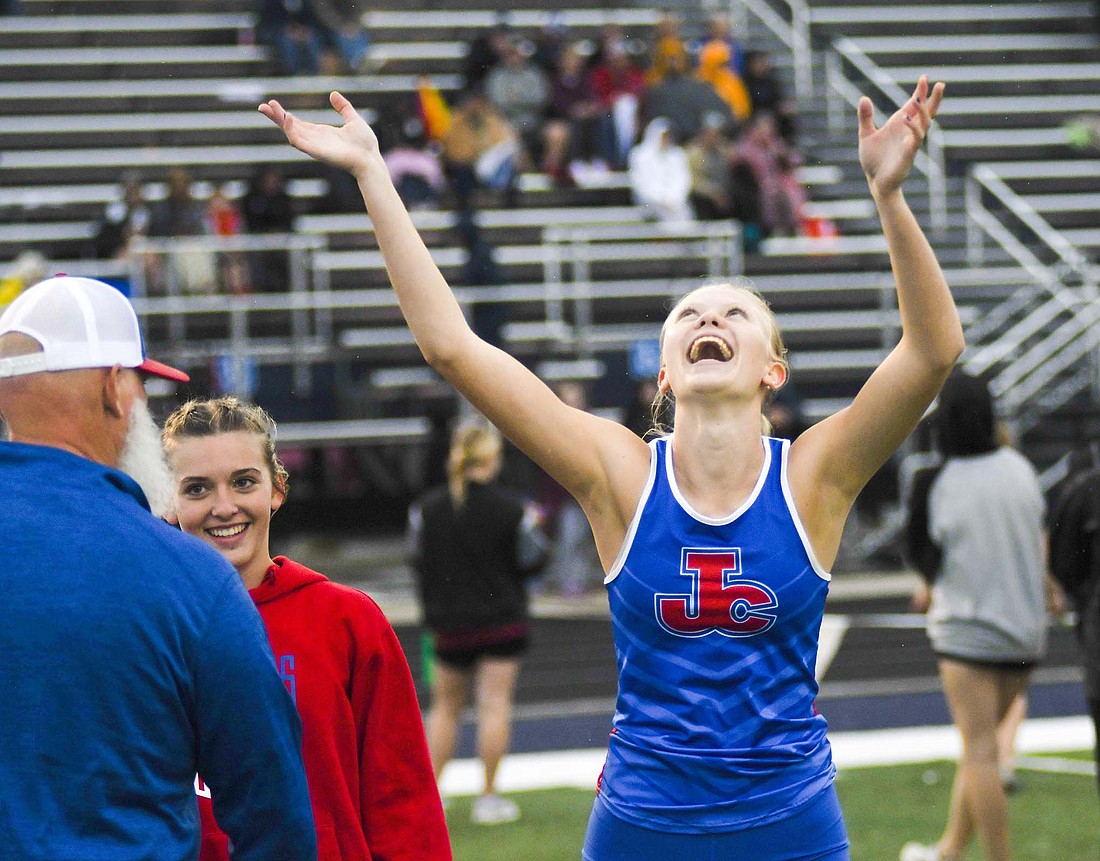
[
  {"x": 792, "y": 28},
  {"x": 1041, "y": 345},
  {"x": 180, "y": 278},
  {"x": 570, "y": 252},
  {"x": 930, "y": 161}
]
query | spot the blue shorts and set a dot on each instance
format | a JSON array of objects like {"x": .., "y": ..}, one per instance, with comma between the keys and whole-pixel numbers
[{"x": 815, "y": 832}]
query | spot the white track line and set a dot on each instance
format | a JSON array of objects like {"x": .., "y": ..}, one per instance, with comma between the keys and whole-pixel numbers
[{"x": 581, "y": 768}]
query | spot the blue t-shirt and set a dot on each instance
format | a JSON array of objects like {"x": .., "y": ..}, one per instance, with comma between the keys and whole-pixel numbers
[
  {"x": 131, "y": 657},
  {"x": 716, "y": 623}
]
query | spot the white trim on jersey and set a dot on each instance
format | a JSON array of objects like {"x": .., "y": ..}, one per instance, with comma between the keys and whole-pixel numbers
[
  {"x": 819, "y": 569},
  {"x": 632, "y": 530}
]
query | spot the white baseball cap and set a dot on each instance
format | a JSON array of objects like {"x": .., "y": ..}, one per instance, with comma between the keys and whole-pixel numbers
[{"x": 80, "y": 323}]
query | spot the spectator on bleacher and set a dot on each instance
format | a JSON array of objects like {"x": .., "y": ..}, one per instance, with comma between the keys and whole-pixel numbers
[
  {"x": 618, "y": 83},
  {"x": 610, "y": 40},
  {"x": 660, "y": 179},
  {"x": 486, "y": 50},
  {"x": 720, "y": 29},
  {"x": 766, "y": 92},
  {"x": 521, "y": 92},
  {"x": 482, "y": 270},
  {"x": 415, "y": 167},
  {"x": 578, "y": 127},
  {"x": 341, "y": 29},
  {"x": 268, "y": 208},
  {"x": 179, "y": 213},
  {"x": 481, "y": 148},
  {"x": 709, "y": 160},
  {"x": 774, "y": 167},
  {"x": 224, "y": 218},
  {"x": 122, "y": 220},
  {"x": 366, "y": 759},
  {"x": 683, "y": 100},
  {"x": 748, "y": 206},
  {"x": 714, "y": 69},
  {"x": 189, "y": 267},
  {"x": 473, "y": 545},
  {"x": 669, "y": 54},
  {"x": 293, "y": 31},
  {"x": 549, "y": 43}
]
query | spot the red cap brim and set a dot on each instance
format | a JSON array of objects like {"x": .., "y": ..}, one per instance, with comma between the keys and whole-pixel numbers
[{"x": 159, "y": 369}]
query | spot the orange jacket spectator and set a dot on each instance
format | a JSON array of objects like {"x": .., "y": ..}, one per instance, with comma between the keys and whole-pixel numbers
[{"x": 714, "y": 58}]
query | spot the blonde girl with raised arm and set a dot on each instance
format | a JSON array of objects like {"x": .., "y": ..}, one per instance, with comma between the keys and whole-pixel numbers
[{"x": 716, "y": 541}]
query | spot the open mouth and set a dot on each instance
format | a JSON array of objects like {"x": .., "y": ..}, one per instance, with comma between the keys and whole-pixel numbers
[
  {"x": 709, "y": 347},
  {"x": 227, "y": 531}
]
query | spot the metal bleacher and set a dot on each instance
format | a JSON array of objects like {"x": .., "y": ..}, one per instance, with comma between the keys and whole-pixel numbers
[{"x": 91, "y": 89}]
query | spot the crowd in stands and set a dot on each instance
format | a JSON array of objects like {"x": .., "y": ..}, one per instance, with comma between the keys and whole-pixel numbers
[
  {"x": 702, "y": 128},
  {"x": 310, "y": 37}
]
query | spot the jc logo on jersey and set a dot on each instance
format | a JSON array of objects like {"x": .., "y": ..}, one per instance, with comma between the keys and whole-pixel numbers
[{"x": 720, "y": 600}]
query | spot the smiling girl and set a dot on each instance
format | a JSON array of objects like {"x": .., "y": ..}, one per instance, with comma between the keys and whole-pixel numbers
[
  {"x": 370, "y": 778},
  {"x": 716, "y": 542}
]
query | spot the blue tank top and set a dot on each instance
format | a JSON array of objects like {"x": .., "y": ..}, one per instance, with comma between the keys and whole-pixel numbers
[{"x": 716, "y": 624}]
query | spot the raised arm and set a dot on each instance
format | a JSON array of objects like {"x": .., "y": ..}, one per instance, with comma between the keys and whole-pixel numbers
[
  {"x": 832, "y": 461},
  {"x": 578, "y": 449}
]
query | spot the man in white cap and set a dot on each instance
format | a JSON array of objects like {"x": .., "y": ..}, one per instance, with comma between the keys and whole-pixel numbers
[{"x": 131, "y": 657}]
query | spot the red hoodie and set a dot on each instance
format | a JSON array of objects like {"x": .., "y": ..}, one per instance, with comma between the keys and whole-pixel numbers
[{"x": 370, "y": 777}]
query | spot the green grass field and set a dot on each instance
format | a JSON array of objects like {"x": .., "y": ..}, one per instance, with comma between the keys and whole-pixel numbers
[{"x": 1054, "y": 817}]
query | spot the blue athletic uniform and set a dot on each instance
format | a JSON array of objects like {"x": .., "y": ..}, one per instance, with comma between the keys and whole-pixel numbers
[{"x": 716, "y": 625}]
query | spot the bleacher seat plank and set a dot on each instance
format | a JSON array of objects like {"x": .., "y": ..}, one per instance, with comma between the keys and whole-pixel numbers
[
  {"x": 167, "y": 23},
  {"x": 166, "y": 54},
  {"x": 899, "y": 13}
]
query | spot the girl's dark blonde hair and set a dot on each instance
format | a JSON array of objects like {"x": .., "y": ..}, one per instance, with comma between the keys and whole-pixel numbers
[
  {"x": 472, "y": 441},
  {"x": 199, "y": 418},
  {"x": 663, "y": 408}
]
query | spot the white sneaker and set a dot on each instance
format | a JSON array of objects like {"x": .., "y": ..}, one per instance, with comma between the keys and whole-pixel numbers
[
  {"x": 493, "y": 810},
  {"x": 920, "y": 852}
]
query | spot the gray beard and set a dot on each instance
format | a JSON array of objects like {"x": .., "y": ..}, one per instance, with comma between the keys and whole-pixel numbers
[{"x": 144, "y": 461}]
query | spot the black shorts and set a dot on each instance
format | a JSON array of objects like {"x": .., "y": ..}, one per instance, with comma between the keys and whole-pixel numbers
[{"x": 464, "y": 659}]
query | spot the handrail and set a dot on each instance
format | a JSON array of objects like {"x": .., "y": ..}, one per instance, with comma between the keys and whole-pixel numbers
[
  {"x": 577, "y": 247},
  {"x": 1067, "y": 252},
  {"x": 1064, "y": 341},
  {"x": 305, "y": 328},
  {"x": 795, "y": 34},
  {"x": 931, "y": 162}
]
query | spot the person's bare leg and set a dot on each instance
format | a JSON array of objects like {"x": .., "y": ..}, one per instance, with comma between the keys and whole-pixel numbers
[
  {"x": 979, "y": 699},
  {"x": 1006, "y": 737},
  {"x": 448, "y": 699},
  {"x": 496, "y": 683}
]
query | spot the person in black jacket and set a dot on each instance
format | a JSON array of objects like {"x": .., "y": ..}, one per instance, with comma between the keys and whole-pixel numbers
[
  {"x": 1075, "y": 563},
  {"x": 473, "y": 544}
]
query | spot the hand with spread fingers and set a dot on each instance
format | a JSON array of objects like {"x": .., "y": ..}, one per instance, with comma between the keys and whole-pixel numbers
[
  {"x": 886, "y": 154},
  {"x": 350, "y": 146}
]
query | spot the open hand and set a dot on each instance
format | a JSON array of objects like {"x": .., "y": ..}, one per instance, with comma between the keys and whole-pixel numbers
[
  {"x": 887, "y": 154},
  {"x": 350, "y": 146}
]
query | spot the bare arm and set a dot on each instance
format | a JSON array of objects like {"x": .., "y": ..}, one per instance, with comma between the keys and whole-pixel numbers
[
  {"x": 578, "y": 449},
  {"x": 832, "y": 461}
]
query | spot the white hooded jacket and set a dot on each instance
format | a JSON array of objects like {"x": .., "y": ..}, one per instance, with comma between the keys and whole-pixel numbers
[{"x": 660, "y": 178}]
